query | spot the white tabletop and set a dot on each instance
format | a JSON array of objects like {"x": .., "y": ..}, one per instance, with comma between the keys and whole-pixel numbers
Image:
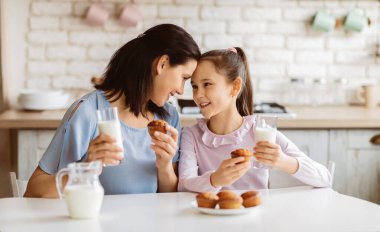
[{"x": 292, "y": 209}]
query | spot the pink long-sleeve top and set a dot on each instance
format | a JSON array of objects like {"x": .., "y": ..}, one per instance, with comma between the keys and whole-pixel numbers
[{"x": 202, "y": 151}]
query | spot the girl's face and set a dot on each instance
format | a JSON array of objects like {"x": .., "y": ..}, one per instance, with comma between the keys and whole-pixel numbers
[
  {"x": 170, "y": 80},
  {"x": 211, "y": 90}
]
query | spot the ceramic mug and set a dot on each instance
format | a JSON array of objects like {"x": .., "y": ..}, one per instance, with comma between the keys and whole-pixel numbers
[
  {"x": 355, "y": 21},
  {"x": 323, "y": 21},
  {"x": 369, "y": 95},
  {"x": 130, "y": 16},
  {"x": 96, "y": 15}
]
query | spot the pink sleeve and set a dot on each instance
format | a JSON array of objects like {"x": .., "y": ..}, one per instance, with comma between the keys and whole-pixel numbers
[
  {"x": 189, "y": 180},
  {"x": 309, "y": 171}
]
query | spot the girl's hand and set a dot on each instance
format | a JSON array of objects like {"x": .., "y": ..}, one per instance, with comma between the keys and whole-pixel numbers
[
  {"x": 271, "y": 155},
  {"x": 165, "y": 147},
  {"x": 104, "y": 148},
  {"x": 229, "y": 171}
]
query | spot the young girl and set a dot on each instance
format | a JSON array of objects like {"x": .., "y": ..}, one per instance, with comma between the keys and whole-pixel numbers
[{"x": 223, "y": 92}]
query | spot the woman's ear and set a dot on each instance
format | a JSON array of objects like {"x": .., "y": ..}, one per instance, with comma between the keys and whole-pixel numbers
[
  {"x": 236, "y": 86},
  {"x": 162, "y": 62}
]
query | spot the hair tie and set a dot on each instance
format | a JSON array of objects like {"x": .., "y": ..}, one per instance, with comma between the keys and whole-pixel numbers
[
  {"x": 141, "y": 35},
  {"x": 232, "y": 50}
]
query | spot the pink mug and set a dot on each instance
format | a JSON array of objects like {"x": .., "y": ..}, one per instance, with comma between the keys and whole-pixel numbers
[
  {"x": 130, "y": 16},
  {"x": 96, "y": 15}
]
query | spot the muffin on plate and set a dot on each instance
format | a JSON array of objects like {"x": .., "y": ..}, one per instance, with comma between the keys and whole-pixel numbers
[
  {"x": 251, "y": 198},
  {"x": 242, "y": 152},
  {"x": 229, "y": 200},
  {"x": 157, "y": 125},
  {"x": 207, "y": 200}
]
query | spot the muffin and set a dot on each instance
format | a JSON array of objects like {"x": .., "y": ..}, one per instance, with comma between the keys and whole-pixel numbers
[
  {"x": 157, "y": 125},
  {"x": 251, "y": 198},
  {"x": 242, "y": 152},
  {"x": 207, "y": 200},
  {"x": 229, "y": 200}
]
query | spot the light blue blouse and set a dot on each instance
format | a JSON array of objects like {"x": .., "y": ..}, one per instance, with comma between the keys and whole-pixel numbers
[{"x": 136, "y": 174}]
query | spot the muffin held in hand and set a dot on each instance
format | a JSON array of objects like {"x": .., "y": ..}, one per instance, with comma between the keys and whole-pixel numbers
[
  {"x": 157, "y": 125},
  {"x": 229, "y": 200},
  {"x": 207, "y": 200},
  {"x": 242, "y": 152},
  {"x": 251, "y": 198}
]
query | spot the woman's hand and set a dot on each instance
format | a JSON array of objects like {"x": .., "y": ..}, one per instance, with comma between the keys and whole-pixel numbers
[
  {"x": 165, "y": 147},
  {"x": 229, "y": 171},
  {"x": 271, "y": 155},
  {"x": 104, "y": 148}
]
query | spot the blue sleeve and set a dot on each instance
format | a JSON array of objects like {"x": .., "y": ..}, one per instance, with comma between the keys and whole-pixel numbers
[
  {"x": 174, "y": 121},
  {"x": 71, "y": 140}
]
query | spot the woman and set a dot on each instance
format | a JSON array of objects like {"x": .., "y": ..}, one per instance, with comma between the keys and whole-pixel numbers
[{"x": 139, "y": 79}]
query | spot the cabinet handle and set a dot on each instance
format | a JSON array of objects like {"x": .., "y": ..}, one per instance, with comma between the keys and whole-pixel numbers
[{"x": 375, "y": 140}]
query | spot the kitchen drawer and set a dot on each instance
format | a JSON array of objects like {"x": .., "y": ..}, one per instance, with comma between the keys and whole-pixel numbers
[{"x": 360, "y": 139}]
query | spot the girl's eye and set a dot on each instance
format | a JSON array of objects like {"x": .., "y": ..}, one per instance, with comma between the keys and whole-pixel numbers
[
  {"x": 207, "y": 84},
  {"x": 194, "y": 87}
]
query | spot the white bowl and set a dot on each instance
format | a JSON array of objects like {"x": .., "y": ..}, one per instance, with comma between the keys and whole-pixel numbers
[{"x": 43, "y": 100}]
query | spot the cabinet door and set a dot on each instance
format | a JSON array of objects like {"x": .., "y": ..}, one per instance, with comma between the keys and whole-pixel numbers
[
  {"x": 314, "y": 143},
  {"x": 357, "y": 160}
]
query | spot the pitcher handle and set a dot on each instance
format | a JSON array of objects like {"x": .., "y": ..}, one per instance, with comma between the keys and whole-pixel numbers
[{"x": 58, "y": 181}]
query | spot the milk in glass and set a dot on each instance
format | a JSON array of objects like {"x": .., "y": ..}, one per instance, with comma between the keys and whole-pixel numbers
[
  {"x": 111, "y": 128},
  {"x": 109, "y": 124},
  {"x": 266, "y": 134}
]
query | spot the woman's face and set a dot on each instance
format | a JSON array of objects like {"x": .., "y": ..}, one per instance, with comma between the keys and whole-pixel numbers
[
  {"x": 211, "y": 90},
  {"x": 170, "y": 80}
]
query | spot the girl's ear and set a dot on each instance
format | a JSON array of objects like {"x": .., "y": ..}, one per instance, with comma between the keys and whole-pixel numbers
[
  {"x": 236, "y": 86},
  {"x": 161, "y": 63}
]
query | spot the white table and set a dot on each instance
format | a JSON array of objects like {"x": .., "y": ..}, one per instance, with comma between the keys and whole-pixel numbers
[{"x": 291, "y": 209}]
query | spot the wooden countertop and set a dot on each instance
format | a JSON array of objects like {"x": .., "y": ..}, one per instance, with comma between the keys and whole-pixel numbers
[{"x": 306, "y": 118}]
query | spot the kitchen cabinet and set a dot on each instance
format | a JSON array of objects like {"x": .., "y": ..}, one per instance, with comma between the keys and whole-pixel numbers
[
  {"x": 357, "y": 161},
  {"x": 313, "y": 143}
]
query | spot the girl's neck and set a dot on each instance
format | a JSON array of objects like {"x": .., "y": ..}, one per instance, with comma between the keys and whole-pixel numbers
[{"x": 225, "y": 122}]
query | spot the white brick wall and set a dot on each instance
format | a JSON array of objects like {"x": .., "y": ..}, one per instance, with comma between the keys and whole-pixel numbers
[{"x": 63, "y": 52}]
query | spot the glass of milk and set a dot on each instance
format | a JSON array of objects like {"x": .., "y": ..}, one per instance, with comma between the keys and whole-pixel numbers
[
  {"x": 83, "y": 192},
  {"x": 266, "y": 129},
  {"x": 109, "y": 124}
]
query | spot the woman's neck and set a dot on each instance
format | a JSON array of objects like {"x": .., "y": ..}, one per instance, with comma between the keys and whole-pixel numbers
[
  {"x": 128, "y": 117},
  {"x": 225, "y": 122}
]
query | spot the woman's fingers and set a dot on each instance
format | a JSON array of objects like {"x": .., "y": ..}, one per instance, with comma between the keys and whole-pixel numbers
[
  {"x": 173, "y": 132},
  {"x": 103, "y": 138},
  {"x": 164, "y": 138},
  {"x": 168, "y": 147}
]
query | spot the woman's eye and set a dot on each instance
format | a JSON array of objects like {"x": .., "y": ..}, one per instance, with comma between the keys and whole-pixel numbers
[
  {"x": 194, "y": 87},
  {"x": 207, "y": 84}
]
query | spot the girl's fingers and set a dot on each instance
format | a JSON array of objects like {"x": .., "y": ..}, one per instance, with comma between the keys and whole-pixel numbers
[
  {"x": 265, "y": 150},
  {"x": 266, "y": 144},
  {"x": 232, "y": 162},
  {"x": 264, "y": 156}
]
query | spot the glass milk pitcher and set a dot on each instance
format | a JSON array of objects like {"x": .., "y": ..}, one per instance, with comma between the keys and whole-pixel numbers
[{"x": 83, "y": 192}]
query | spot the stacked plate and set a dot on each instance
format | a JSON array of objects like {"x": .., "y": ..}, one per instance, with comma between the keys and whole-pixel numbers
[{"x": 34, "y": 99}]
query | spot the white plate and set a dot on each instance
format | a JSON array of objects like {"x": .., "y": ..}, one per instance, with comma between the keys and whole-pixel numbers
[{"x": 218, "y": 211}]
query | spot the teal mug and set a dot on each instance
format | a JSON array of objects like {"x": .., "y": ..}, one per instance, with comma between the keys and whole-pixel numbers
[
  {"x": 323, "y": 22},
  {"x": 355, "y": 21}
]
